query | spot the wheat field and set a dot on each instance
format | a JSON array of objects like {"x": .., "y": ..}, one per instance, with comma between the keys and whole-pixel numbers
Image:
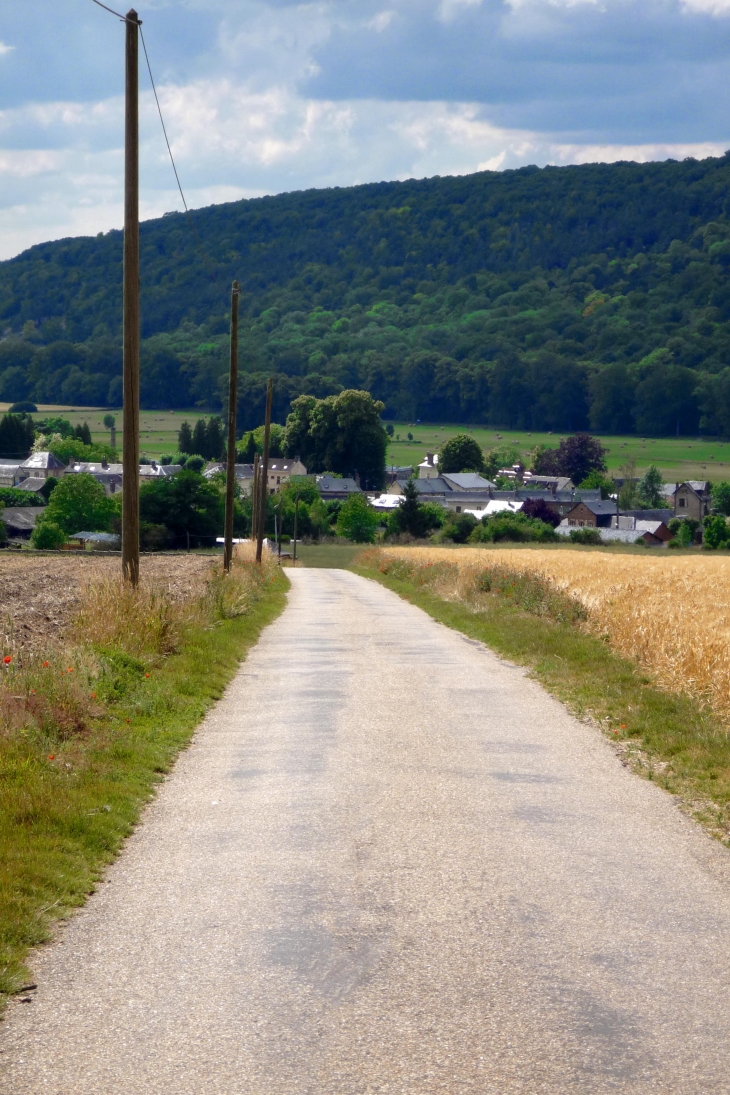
[{"x": 671, "y": 614}]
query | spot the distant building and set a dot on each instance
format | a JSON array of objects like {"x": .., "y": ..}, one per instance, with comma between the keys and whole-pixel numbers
[
  {"x": 585, "y": 514},
  {"x": 467, "y": 481},
  {"x": 281, "y": 469},
  {"x": 428, "y": 468},
  {"x": 692, "y": 499},
  {"x": 19, "y": 521},
  {"x": 42, "y": 465},
  {"x": 9, "y": 474},
  {"x": 331, "y": 488},
  {"x": 33, "y": 485}
]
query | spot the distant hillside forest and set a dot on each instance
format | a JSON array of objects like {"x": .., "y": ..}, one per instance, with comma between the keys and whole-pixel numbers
[{"x": 549, "y": 299}]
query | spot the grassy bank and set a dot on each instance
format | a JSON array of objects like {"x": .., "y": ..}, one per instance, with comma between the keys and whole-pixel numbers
[
  {"x": 666, "y": 737},
  {"x": 87, "y": 733}
]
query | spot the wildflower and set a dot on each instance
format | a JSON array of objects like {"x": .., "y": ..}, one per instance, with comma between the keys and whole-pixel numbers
[
  {"x": 146, "y": 674},
  {"x": 46, "y": 664},
  {"x": 623, "y": 725},
  {"x": 93, "y": 695},
  {"x": 7, "y": 659},
  {"x": 70, "y": 669},
  {"x": 51, "y": 756},
  {"x": 127, "y": 720}
]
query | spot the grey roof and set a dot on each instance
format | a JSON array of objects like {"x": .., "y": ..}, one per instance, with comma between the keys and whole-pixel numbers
[
  {"x": 20, "y": 518},
  {"x": 33, "y": 484},
  {"x": 598, "y": 507},
  {"x": 97, "y": 537},
  {"x": 698, "y": 485},
  {"x": 43, "y": 461},
  {"x": 329, "y": 484},
  {"x": 467, "y": 480},
  {"x": 648, "y": 514}
]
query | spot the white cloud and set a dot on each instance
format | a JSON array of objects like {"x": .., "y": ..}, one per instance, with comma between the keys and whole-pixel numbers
[
  {"x": 5, "y": 49},
  {"x": 706, "y": 7},
  {"x": 639, "y": 153},
  {"x": 450, "y": 9},
  {"x": 381, "y": 21}
]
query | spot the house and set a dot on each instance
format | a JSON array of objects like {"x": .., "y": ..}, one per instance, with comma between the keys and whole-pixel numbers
[
  {"x": 428, "y": 468},
  {"x": 553, "y": 483},
  {"x": 33, "y": 484},
  {"x": 153, "y": 470},
  {"x": 664, "y": 515},
  {"x": 643, "y": 522},
  {"x": 109, "y": 475},
  {"x": 280, "y": 471},
  {"x": 468, "y": 481},
  {"x": 488, "y": 509},
  {"x": 384, "y": 503},
  {"x": 397, "y": 471},
  {"x": 42, "y": 465},
  {"x": 588, "y": 514},
  {"x": 9, "y": 473},
  {"x": 331, "y": 488},
  {"x": 692, "y": 499},
  {"x": 429, "y": 487},
  {"x": 19, "y": 521}
]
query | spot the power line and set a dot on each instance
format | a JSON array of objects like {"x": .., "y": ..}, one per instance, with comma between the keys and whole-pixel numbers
[
  {"x": 112, "y": 12},
  {"x": 172, "y": 161},
  {"x": 167, "y": 142}
]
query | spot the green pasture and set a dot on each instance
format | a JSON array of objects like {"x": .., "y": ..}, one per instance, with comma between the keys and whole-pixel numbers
[{"x": 678, "y": 458}]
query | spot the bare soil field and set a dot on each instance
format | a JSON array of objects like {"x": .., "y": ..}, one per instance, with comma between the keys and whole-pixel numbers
[{"x": 41, "y": 594}]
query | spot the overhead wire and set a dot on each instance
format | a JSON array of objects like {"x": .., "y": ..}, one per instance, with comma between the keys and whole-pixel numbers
[{"x": 191, "y": 222}]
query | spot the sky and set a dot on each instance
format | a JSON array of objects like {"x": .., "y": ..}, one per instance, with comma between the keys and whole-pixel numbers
[{"x": 265, "y": 96}]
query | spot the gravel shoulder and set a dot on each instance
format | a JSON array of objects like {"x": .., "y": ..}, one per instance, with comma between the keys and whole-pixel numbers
[{"x": 389, "y": 862}]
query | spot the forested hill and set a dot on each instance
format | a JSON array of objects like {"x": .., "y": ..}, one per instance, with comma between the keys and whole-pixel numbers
[{"x": 551, "y": 298}]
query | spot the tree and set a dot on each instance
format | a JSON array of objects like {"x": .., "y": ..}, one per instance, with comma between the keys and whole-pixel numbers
[
  {"x": 575, "y": 456},
  {"x": 185, "y": 439},
  {"x": 78, "y": 504},
  {"x": 184, "y": 503},
  {"x": 341, "y": 433},
  {"x": 410, "y": 516},
  {"x": 83, "y": 433},
  {"x": 665, "y": 401},
  {"x": 215, "y": 439},
  {"x": 716, "y": 532},
  {"x": 357, "y": 520},
  {"x": 721, "y": 498},
  {"x": 504, "y": 456},
  {"x": 48, "y": 536},
  {"x": 650, "y": 488},
  {"x": 596, "y": 480},
  {"x": 628, "y": 493},
  {"x": 389, "y": 429},
  {"x": 461, "y": 453},
  {"x": 540, "y": 510},
  {"x": 16, "y": 436},
  {"x": 200, "y": 438}
]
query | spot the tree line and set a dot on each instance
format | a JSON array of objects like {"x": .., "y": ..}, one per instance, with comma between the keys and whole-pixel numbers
[{"x": 592, "y": 297}]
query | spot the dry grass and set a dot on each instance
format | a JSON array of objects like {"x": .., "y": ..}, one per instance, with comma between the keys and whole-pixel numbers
[{"x": 670, "y": 614}]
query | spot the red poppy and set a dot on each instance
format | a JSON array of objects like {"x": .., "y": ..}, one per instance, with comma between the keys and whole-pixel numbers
[
  {"x": 93, "y": 695},
  {"x": 7, "y": 659},
  {"x": 623, "y": 725},
  {"x": 146, "y": 674},
  {"x": 46, "y": 664},
  {"x": 70, "y": 669},
  {"x": 51, "y": 756}
]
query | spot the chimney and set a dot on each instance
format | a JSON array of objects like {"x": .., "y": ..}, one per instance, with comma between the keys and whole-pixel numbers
[{"x": 429, "y": 459}]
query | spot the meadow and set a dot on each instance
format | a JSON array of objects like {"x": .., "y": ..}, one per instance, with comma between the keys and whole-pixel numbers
[{"x": 679, "y": 458}]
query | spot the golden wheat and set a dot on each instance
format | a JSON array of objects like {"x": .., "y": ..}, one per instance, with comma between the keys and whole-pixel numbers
[{"x": 671, "y": 614}]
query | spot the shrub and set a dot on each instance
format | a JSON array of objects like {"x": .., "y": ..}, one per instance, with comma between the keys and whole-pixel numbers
[
  {"x": 459, "y": 527},
  {"x": 585, "y": 536},
  {"x": 194, "y": 463},
  {"x": 47, "y": 536},
  {"x": 11, "y": 496},
  {"x": 541, "y": 510},
  {"x": 25, "y": 406},
  {"x": 717, "y": 533},
  {"x": 512, "y": 526}
]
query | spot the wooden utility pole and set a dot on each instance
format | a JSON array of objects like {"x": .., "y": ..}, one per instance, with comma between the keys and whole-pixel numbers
[
  {"x": 255, "y": 500},
  {"x": 231, "y": 459},
  {"x": 264, "y": 470},
  {"x": 296, "y": 515},
  {"x": 130, "y": 366}
]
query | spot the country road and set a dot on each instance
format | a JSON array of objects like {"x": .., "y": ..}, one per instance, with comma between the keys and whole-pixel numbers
[{"x": 389, "y": 862}]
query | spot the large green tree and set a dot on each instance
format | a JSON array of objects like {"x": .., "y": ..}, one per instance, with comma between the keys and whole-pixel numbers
[
  {"x": 184, "y": 503},
  {"x": 80, "y": 504},
  {"x": 341, "y": 433},
  {"x": 16, "y": 436},
  {"x": 461, "y": 453}
]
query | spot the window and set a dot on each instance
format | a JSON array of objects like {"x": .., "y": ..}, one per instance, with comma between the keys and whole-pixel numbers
[{"x": 682, "y": 503}]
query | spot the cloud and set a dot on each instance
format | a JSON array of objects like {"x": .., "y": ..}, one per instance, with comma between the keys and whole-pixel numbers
[
  {"x": 262, "y": 96},
  {"x": 5, "y": 49}
]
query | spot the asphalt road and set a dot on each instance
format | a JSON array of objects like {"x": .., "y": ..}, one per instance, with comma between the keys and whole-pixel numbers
[{"x": 389, "y": 863}]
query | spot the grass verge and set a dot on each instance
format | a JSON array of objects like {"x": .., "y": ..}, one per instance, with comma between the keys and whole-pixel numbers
[
  {"x": 662, "y": 736},
  {"x": 75, "y": 774}
]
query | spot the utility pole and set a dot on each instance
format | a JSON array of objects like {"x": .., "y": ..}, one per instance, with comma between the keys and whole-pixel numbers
[
  {"x": 255, "y": 500},
  {"x": 130, "y": 367},
  {"x": 264, "y": 470},
  {"x": 231, "y": 460},
  {"x": 296, "y": 514}
]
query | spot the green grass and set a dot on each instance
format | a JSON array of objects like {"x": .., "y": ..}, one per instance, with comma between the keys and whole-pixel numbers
[
  {"x": 338, "y": 556},
  {"x": 62, "y": 820},
  {"x": 678, "y": 458},
  {"x": 662, "y": 736}
]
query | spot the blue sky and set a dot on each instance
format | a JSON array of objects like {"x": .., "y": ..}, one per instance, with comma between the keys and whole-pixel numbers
[{"x": 262, "y": 96}]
